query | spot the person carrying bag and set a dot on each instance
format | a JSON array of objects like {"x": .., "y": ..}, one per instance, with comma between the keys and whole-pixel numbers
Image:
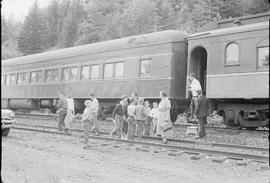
[{"x": 164, "y": 119}]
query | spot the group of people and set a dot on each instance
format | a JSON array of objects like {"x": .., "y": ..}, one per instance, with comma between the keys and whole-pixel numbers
[
  {"x": 133, "y": 116},
  {"x": 65, "y": 111}
]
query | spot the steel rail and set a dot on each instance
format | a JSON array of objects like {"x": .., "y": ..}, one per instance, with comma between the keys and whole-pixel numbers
[
  {"x": 220, "y": 145},
  {"x": 231, "y": 155},
  {"x": 176, "y": 125}
]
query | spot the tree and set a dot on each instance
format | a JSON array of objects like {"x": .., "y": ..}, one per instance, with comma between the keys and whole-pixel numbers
[
  {"x": 138, "y": 18},
  {"x": 165, "y": 15},
  {"x": 52, "y": 15},
  {"x": 62, "y": 13},
  {"x": 33, "y": 36},
  {"x": 193, "y": 14},
  {"x": 4, "y": 30},
  {"x": 9, "y": 30},
  {"x": 70, "y": 26},
  {"x": 9, "y": 49},
  {"x": 100, "y": 16}
]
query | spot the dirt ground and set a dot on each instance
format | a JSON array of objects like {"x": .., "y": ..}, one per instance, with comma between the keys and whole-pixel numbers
[{"x": 31, "y": 157}]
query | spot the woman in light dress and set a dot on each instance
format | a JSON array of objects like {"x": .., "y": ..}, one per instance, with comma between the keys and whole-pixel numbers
[
  {"x": 70, "y": 112},
  {"x": 164, "y": 108}
]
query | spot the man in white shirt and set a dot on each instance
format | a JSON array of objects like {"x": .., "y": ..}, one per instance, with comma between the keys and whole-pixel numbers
[
  {"x": 94, "y": 109},
  {"x": 195, "y": 88}
]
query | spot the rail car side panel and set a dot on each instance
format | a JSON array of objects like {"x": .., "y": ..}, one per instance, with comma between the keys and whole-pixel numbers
[
  {"x": 248, "y": 85},
  {"x": 103, "y": 89},
  {"x": 162, "y": 68},
  {"x": 216, "y": 51}
]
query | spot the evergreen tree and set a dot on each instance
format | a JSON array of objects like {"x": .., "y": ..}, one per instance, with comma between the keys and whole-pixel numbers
[
  {"x": 62, "y": 14},
  {"x": 165, "y": 15},
  {"x": 101, "y": 20},
  {"x": 193, "y": 14},
  {"x": 4, "y": 30},
  {"x": 52, "y": 22},
  {"x": 138, "y": 18},
  {"x": 9, "y": 30},
  {"x": 33, "y": 35},
  {"x": 70, "y": 27}
]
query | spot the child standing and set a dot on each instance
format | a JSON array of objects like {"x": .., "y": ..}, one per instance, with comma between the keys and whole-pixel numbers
[
  {"x": 118, "y": 116},
  {"x": 140, "y": 117},
  {"x": 148, "y": 119},
  {"x": 131, "y": 120},
  {"x": 87, "y": 119},
  {"x": 154, "y": 115}
]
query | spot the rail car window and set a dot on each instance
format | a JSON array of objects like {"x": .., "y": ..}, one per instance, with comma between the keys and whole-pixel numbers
[
  {"x": 11, "y": 79},
  {"x": 22, "y": 78},
  {"x": 70, "y": 74},
  {"x": 263, "y": 57},
  {"x": 94, "y": 71},
  {"x": 119, "y": 70},
  {"x": 85, "y": 72},
  {"x": 232, "y": 54},
  {"x": 2, "y": 79},
  {"x": 36, "y": 77},
  {"x": 51, "y": 75},
  {"x": 145, "y": 67},
  {"x": 108, "y": 70}
]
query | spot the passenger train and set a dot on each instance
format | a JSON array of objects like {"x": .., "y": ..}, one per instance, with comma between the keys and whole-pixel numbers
[{"x": 230, "y": 58}]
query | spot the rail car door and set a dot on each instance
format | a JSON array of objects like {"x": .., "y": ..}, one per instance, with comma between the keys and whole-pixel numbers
[{"x": 198, "y": 64}]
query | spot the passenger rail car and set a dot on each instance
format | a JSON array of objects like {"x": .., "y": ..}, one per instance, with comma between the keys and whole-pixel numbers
[
  {"x": 231, "y": 62},
  {"x": 144, "y": 64},
  {"x": 233, "y": 66}
]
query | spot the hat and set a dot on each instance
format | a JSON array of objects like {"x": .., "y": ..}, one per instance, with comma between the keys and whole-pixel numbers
[
  {"x": 86, "y": 102},
  {"x": 123, "y": 97},
  {"x": 141, "y": 99}
]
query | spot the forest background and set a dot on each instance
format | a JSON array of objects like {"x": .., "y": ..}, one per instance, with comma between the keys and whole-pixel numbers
[{"x": 68, "y": 23}]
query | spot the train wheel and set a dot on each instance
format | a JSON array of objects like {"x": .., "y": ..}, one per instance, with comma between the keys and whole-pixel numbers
[
  {"x": 230, "y": 124},
  {"x": 233, "y": 126}
]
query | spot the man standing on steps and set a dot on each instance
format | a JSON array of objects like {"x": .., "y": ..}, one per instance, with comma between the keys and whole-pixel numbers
[
  {"x": 94, "y": 110},
  {"x": 201, "y": 111},
  {"x": 195, "y": 88}
]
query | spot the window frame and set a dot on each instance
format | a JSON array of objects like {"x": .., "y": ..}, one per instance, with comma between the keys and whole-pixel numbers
[
  {"x": 257, "y": 58},
  {"x": 90, "y": 67},
  {"x": 27, "y": 78},
  {"x": 226, "y": 63},
  {"x": 90, "y": 74},
  {"x": 15, "y": 74},
  {"x": 111, "y": 77},
  {"x": 51, "y": 81},
  {"x": 69, "y": 67},
  {"x": 114, "y": 70},
  {"x": 140, "y": 69},
  {"x": 88, "y": 78},
  {"x": 3, "y": 82},
  {"x": 41, "y": 79}
]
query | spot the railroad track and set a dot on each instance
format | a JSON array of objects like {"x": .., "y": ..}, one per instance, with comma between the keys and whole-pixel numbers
[
  {"x": 108, "y": 122},
  {"x": 173, "y": 144}
]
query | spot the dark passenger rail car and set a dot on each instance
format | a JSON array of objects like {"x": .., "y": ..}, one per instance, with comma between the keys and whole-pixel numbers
[{"x": 145, "y": 64}]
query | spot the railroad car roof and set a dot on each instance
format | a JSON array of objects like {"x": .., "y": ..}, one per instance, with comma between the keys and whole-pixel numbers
[
  {"x": 230, "y": 30},
  {"x": 111, "y": 45}
]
